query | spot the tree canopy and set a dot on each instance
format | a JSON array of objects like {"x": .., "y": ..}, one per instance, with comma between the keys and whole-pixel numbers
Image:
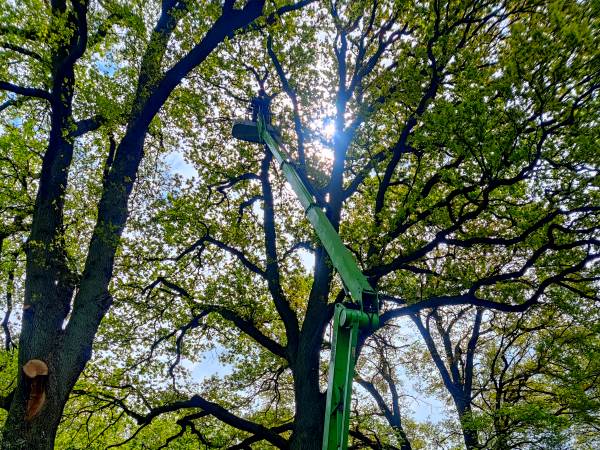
[{"x": 166, "y": 277}]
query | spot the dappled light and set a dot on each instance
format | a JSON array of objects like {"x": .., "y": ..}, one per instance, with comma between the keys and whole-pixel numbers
[{"x": 299, "y": 225}]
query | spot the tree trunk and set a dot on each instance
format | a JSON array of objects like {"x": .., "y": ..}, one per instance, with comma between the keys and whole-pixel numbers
[
  {"x": 404, "y": 442},
  {"x": 469, "y": 432},
  {"x": 64, "y": 349},
  {"x": 40, "y": 432},
  {"x": 310, "y": 402},
  {"x": 501, "y": 431},
  {"x": 310, "y": 406},
  {"x": 471, "y": 439}
]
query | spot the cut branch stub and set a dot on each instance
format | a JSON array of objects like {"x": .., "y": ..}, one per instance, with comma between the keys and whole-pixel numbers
[
  {"x": 36, "y": 374},
  {"x": 34, "y": 368}
]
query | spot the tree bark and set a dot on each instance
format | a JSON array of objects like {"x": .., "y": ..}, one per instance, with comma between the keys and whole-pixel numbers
[
  {"x": 469, "y": 432},
  {"x": 310, "y": 402},
  {"x": 310, "y": 410},
  {"x": 49, "y": 286}
]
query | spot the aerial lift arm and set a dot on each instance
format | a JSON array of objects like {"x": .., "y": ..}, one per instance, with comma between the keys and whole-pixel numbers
[{"x": 363, "y": 309}]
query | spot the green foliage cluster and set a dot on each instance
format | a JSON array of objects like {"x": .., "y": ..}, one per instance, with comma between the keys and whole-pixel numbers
[{"x": 454, "y": 144}]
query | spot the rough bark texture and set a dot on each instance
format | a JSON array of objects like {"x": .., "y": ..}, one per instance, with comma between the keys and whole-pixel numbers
[
  {"x": 310, "y": 402},
  {"x": 49, "y": 287}
]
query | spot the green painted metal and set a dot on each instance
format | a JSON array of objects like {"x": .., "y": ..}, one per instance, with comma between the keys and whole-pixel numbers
[
  {"x": 346, "y": 323},
  {"x": 354, "y": 281},
  {"x": 347, "y": 320}
]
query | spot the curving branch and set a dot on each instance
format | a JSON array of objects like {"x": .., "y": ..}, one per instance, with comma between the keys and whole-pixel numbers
[
  {"x": 258, "y": 431},
  {"x": 247, "y": 326},
  {"x": 22, "y": 50},
  {"x": 274, "y": 16},
  {"x": 272, "y": 273},
  {"x": 86, "y": 125},
  {"x": 240, "y": 255},
  {"x": 185, "y": 423},
  {"x": 291, "y": 93},
  {"x": 26, "y": 91},
  {"x": 456, "y": 373},
  {"x": 231, "y": 182},
  {"x": 472, "y": 299},
  {"x": 10, "y": 287},
  {"x": 245, "y": 444},
  {"x": 25, "y": 33},
  {"x": 114, "y": 18},
  {"x": 246, "y": 204}
]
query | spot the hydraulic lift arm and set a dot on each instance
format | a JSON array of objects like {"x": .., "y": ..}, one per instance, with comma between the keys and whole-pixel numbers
[{"x": 363, "y": 309}]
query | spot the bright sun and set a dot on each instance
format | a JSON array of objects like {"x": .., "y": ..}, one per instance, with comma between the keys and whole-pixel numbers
[{"x": 328, "y": 128}]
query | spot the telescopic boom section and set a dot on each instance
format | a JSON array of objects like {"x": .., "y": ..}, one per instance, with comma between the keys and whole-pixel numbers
[{"x": 361, "y": 312}]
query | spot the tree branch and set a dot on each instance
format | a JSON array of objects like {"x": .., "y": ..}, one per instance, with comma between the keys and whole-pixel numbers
[
  {"x": 22, "y": 50},
  {"x": 242, "y": 258},
  {"x": 26, "y": 91},
  {"x": 245, "y": 444},
  {"x": 291, "y": 93},
  {"x": 246, "y": 326},
  {"x": 220, "y": 413},
  {"x": 86, "y": 125}
]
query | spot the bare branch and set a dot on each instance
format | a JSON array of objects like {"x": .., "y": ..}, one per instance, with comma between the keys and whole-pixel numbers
[
  {"x": 27, "y": 91},
  {"x": 247, "y": 326},
  {"x": 22, "y": 50},
  {"x": 219, "y": 412}
]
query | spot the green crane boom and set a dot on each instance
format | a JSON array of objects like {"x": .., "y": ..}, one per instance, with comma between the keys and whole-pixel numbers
[{"x": 363, "y": 309}]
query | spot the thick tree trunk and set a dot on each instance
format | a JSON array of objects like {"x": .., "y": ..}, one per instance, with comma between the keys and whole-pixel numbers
[
  {"x": 404, "y": 442},
  {"x": 37, "y": 405},
  {"x": 40, "y": 432},
  {"x": 501, "y": 431},
  {"x": 469, "y": 432},
  {"x": 65, "y": 348},
  {"x": 471, "y": 439},
  {"x": 308, "y": 424},
  {"x": 310, "y": 406},
  {"x": 310, "y": 402}
]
